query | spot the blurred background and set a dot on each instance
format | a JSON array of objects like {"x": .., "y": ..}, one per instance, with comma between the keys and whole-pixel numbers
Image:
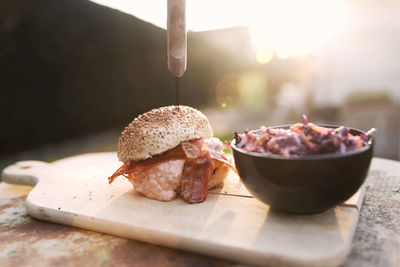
[{"x": 73, "y": 73}]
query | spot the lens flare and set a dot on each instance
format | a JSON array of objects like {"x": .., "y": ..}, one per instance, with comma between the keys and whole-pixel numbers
[
  {"x": 264, "y": 55},
  {"x": 287, "y": 27}
]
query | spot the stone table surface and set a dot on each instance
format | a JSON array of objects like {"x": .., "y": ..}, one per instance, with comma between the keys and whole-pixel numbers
[{"x": 25, "y": 241}]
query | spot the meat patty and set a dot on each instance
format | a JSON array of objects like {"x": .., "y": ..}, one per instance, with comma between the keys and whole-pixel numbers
[{"x": 159, "y": 182}]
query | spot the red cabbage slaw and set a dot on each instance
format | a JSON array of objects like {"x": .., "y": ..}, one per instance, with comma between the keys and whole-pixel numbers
[{"x": 301, "y": 139}]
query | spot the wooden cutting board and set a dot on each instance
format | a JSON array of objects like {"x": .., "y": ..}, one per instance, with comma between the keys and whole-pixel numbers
[{"x": 230, "y": 224}]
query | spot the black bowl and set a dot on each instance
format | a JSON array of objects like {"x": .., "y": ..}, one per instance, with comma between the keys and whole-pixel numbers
[{"x": 307, "y": 184}]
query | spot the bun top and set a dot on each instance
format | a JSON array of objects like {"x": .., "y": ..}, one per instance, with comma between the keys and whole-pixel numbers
[{"x": 161, "y": 129}]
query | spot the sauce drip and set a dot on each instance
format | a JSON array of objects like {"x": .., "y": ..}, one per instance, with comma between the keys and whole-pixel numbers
[{"x": 177, "y": 79}]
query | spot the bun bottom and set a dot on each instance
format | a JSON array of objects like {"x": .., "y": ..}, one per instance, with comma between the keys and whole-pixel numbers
[{"x": 219, "y": 176}]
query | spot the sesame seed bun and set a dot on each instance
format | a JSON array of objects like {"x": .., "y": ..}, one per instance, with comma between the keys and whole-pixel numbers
[{"x": 161, "y": 129}]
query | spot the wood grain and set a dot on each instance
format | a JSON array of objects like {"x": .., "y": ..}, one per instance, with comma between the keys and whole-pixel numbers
[{"x": 229, "y": 224}]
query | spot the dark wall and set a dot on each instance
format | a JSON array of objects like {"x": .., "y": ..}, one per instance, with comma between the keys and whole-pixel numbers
[{"x": 72, "y": 67}]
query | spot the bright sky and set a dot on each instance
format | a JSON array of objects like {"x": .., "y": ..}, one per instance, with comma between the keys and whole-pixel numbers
[{"x": 283, "y": 28}]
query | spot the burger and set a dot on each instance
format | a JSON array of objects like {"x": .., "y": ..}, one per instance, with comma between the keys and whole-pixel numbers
[{"x": 171, "y": 151}]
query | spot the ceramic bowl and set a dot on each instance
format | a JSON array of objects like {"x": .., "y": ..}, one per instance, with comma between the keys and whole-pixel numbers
[{"x": 307, "y": 184}]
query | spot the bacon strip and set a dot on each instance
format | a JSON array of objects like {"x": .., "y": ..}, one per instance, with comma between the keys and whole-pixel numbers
[
  {"x": 123, "y": 170},
  {"x": 219, "y": 156},
  {"x": 196, "y": 172},
  {"x": 127, "y": 168}
]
